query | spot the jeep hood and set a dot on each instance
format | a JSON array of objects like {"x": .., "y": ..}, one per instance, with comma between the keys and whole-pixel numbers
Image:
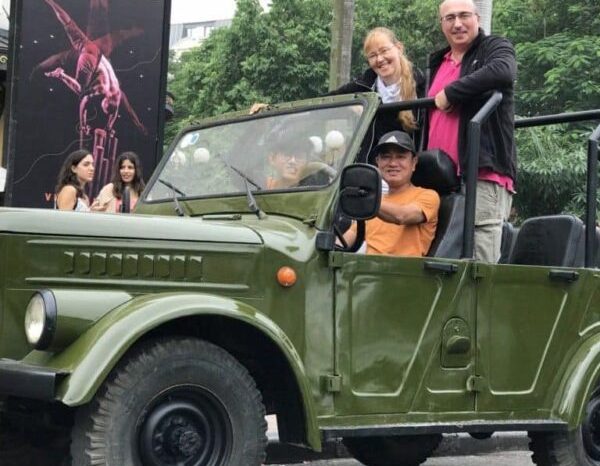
[{"x": 61, "y": 223}]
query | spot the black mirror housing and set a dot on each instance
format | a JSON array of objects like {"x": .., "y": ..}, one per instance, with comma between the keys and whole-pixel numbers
[{"x": 360, "y": 191}]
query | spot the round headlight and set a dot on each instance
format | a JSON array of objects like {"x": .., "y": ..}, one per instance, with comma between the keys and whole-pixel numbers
[{"x": 40, "y": 319}]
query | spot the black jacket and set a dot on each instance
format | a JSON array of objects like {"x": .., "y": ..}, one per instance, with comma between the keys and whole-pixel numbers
[
  {"x": 366, "y": 83},
  {"x": 489, "y": 64},
  {"x": 389, "y": 122}
]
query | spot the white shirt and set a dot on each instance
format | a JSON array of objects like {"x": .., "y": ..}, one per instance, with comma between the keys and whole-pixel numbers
[{"x": 389, "y": 93}]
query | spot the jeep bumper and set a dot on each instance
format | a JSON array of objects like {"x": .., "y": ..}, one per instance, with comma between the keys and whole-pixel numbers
[{"x": 27, "y": 381}]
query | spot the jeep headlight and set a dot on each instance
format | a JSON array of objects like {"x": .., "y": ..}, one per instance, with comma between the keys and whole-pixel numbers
[{"x": 40, "y": 319}]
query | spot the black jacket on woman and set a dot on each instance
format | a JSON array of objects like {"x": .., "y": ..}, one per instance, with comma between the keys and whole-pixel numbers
[{"x": 388, "y": 122}]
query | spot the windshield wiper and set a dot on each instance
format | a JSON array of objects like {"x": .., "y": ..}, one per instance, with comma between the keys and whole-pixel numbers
[
  {"x": 174, "y": 190},
  {"x": 252, "y": 205}
]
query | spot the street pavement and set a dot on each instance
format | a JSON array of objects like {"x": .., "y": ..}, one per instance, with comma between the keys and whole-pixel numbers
[
  {"x": 503, "y": 448},
  {"x": 512, "y": 458}
]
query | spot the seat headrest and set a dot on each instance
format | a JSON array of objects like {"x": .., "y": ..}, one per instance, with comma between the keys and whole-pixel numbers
[
  {"x": 553, "y": 241},
  {"x": 435, "y": 170}
]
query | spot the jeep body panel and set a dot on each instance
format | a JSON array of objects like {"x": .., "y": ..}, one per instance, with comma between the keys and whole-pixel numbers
[
  {"x": 488, "y": 341},
  {"x": 89, "y": 359},
  {"x": 65, "y": 250}
]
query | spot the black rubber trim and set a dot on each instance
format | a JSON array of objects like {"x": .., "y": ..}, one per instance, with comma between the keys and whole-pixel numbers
[
  {"x": 330, "y": 433},
  {"x": 26, "y": 381},
  {"x": 51, "y": 310}
]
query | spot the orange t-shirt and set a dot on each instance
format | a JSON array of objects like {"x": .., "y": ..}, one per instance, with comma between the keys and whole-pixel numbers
[{"x": 405, "y": 240}]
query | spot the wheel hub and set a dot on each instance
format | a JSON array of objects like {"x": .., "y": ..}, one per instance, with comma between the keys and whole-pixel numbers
[
  {"x": 191, "y": 429},
  {"x": 186, "y": 442}
]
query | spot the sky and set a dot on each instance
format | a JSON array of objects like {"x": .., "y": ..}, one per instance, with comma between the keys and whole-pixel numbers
[{"x": 186, "y": 11}]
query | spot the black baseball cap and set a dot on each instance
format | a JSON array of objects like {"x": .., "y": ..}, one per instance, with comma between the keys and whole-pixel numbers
[{"x": 395, "y": 138}]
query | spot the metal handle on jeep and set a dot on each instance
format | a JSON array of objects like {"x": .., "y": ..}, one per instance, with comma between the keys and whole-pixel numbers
[
  {"x": 442, "y": 267},
  {"x": 564, "y": 275}
]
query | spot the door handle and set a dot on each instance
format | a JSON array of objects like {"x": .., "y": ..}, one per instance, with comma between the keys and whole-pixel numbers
[
  {"x": 458, "y": 344},
  {"x": 564, "y": 275},
  {"x": 442, "y": 267}
]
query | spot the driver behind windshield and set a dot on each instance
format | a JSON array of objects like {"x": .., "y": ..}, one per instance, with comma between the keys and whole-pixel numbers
[{"x": 287, "y": 160}]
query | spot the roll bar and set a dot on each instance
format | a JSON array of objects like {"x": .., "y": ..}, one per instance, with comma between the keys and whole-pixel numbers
[{"x": 474, "y": 135}]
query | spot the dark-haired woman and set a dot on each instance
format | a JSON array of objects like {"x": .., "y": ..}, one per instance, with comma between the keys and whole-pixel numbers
[
  {"x": 127, "y": 174},
  {"x": 76, "y": 172}
]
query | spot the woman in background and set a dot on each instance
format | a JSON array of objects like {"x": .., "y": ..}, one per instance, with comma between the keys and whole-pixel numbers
[
  {"x": 127, "y": 174},
  {"x": 76, "y": 172}
]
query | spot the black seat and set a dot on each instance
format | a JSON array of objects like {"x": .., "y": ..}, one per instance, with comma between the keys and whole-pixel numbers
[
  {"x": 554, "y": 241},
  {"x": 581, "y": 249},
  {"x": 436, "y": 171},
  {"x": 509, "y": 236}
]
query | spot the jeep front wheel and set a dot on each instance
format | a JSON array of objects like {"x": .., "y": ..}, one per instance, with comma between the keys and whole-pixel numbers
[
  {"x": 410, "y": 450},
  {"x": 579, "y": 447},
  {"x": 173, "y": 401}
]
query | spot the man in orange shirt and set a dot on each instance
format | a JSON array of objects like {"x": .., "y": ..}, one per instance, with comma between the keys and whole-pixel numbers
[{"x": 407, "y": 218}]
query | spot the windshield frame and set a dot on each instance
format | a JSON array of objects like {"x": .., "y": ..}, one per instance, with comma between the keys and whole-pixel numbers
[
  {"x": 311, "y": 198},
  {"x": 244, "y": 118}
]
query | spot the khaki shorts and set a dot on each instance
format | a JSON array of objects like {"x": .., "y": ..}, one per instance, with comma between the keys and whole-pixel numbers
[{"x": 492, "y": 208}]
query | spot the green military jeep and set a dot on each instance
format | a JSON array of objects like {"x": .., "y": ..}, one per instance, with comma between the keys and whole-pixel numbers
[{"x": 165, "y": 337}]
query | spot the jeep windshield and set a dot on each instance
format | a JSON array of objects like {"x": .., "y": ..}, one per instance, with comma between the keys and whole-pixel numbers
[{"x": 282, "y": 152}]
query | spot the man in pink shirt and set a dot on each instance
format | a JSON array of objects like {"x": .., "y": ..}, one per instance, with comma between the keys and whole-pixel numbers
[{"x": 463, "y": 76}]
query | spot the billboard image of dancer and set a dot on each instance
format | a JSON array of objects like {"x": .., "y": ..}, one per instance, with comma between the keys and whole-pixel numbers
[{"x": 100, "y": 90}]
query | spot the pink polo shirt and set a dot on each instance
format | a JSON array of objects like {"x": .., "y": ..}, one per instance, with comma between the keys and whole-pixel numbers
[{"x": 444, "y": 127}]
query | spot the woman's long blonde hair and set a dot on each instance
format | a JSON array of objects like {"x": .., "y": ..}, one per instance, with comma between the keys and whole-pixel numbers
[{"x": 408, "y": 90}]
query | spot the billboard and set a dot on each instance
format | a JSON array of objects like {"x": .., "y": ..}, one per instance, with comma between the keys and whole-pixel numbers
[{"x": 84, "y": 74}]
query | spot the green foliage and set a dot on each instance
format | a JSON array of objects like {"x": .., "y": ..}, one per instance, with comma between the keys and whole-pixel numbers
[
  {"x": 558, "y": 49},
  {"x": 561, "y": 74},
  {"x": 277, "y": 56},
  {"x": 552, "y": 171}
]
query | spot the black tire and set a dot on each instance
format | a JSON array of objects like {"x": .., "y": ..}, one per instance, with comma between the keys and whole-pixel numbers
[
  {"x": 409, "y": 450},
  {"x": 580, "y": 447},
  {"x": 173, "y": 401}
]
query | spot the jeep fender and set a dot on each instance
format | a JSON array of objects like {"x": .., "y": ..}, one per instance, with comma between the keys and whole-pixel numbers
[
  {"x": 578, "y": 383},
  {"x": 94, "y": 354}
]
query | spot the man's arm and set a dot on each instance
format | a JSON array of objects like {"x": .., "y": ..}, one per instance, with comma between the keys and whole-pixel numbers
[
  {"x": 424, "y": 208},
  {"x": 499, "y": 71},
  {"x": 406, "y": 214},
  {"x": 349, "y": 236}
]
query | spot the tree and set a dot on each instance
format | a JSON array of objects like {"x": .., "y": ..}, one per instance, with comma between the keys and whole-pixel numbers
[
  {"x": 341, "y": 43},
  {"x": 558, "y": 47},
  {"x": 277, "y": 56},
  {"x": 485, "y": 8}
]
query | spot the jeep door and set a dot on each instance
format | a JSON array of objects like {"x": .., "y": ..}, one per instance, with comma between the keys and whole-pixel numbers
[
  {"x": 528, "y": 318},
  {"x": 395, "y": 322}
]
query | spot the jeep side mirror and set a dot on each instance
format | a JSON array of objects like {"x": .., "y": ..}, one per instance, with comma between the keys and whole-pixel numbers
[{"x": 360, "y": 191}]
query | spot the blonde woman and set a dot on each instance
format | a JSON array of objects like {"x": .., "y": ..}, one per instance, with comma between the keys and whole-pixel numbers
[{"x": 391, "y": 75}]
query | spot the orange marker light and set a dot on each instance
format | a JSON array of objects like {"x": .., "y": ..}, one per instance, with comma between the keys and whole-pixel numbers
[{"x": 286, "y": 276}]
